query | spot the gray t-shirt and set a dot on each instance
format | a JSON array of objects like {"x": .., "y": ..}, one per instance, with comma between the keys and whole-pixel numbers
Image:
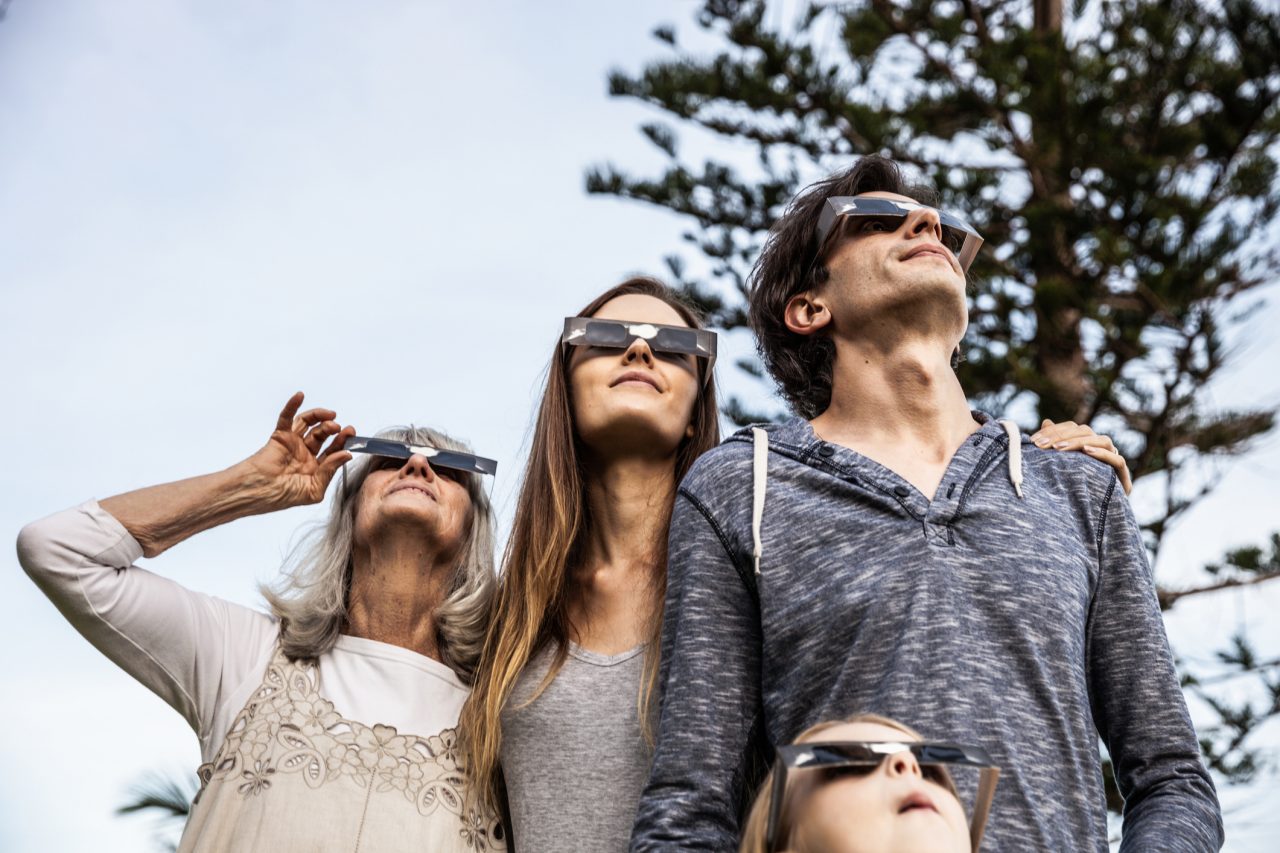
[{"x": 576, "y": 760}]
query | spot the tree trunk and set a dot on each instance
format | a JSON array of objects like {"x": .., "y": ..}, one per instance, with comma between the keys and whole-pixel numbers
[{"x": 1048, "y": 16}]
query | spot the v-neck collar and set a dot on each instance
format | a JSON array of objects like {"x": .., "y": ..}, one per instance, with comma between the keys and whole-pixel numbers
[{"x": 969, "y": 460}]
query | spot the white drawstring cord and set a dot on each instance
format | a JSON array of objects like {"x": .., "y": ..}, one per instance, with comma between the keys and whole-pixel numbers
[
  {"x": 1015, "y": 454},
  {"x": 760, "y": 470}
]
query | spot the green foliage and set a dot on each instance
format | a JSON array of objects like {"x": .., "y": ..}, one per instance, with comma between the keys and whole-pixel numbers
[
  {"x": 1117, "y": 179},
  {"x": 168, "y": 799},
  {"x": 1224, "y": 743},
  {"x": 1250, "y": 560},
  {"x": 1122, "y": 170}
]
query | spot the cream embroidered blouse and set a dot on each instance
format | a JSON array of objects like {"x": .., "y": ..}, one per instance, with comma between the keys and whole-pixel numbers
[{"x": 354, "y": 752}]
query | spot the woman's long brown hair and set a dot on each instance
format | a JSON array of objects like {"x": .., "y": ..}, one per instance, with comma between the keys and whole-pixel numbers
[{"x": 551, "y": 525}]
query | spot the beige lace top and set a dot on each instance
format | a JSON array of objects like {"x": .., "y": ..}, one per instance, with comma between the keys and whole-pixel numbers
[
  {"x": 294, "y": 774},
  {"x": 352, "y": 753}
]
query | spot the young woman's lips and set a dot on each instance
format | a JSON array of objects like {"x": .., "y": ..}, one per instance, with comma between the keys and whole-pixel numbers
[{"x": 635, "y": 376}]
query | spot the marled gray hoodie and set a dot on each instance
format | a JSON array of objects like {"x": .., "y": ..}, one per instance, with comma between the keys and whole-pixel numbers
[{"x": 1028, "y": 626}]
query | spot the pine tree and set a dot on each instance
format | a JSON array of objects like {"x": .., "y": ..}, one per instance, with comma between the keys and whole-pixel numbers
[{"x": 1120, "y": 165}]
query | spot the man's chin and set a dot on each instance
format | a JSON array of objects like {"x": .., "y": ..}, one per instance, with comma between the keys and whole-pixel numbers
[
  {"x": 933, "y": 276},
  {"x": 937, "y": 296}
]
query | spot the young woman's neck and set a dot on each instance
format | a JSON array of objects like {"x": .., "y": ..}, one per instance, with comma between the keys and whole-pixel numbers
[
  {"x": 629, "y": 500},
  {"x": 396, "y": 586},
  {"x": 904, "y": 392},
  {"x": 613, "y": 585}
]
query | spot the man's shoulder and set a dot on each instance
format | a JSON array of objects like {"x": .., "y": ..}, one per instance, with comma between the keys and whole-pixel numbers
[
  {"x": 1078, "y": 472},
  {"x": 721, "y": 470},
  {"x": 728, "y": 466}
]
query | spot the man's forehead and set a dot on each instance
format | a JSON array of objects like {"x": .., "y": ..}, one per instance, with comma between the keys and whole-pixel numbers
[{"x": 888, "y": 195}]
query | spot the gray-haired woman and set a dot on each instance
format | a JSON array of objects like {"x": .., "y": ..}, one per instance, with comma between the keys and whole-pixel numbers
[{"x": 331, "y": 723}]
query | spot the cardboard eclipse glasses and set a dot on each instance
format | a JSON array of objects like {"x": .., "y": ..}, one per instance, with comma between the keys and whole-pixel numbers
[
  {"x": 938, "y": 763},
  {"x": 957, "y": 235},
  {"x": 620, "y": 334},
  {"x": 438, "y": 458}
]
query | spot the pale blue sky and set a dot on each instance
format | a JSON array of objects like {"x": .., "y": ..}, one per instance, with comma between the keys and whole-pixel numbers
[{"x": 204, "y": 207}]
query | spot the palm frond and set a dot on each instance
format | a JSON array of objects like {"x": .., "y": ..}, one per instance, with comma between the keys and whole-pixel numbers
[{"x": 169, "y": 796}]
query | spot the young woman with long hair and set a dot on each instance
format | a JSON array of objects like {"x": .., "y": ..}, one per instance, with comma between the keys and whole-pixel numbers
[{"x": 560, "y": 707}]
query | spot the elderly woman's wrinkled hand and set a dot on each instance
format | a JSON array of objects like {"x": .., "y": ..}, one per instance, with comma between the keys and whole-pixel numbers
[{"x": 295, "y": 466}]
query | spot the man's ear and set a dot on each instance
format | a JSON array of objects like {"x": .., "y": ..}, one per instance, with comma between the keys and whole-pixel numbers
[{"x": 805, "y": 314}]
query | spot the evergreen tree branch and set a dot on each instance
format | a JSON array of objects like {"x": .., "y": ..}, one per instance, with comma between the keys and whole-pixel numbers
[{"x": 1169, "y": 597}]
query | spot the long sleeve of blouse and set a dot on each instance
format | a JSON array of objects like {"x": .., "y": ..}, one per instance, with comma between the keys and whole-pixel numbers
[{"x": 186, "y": 647}]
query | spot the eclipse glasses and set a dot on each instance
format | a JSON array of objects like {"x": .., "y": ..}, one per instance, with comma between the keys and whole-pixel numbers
[
  {"x": 619, "y": 334},
  {"x": 957, "y": 235},
  {"x": 438, "y": 458},
  {"x": 942, "y": 763}
]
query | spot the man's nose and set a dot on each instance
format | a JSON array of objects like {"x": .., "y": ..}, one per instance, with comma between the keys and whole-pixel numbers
[{"x": 924, "y": 220}]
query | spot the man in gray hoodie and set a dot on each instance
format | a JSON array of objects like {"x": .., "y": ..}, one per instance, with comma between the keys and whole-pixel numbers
[{"x": 910, "y": 558}]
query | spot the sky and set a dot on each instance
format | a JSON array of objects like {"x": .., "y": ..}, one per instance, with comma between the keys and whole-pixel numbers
[{"x": 205, "y": 207}]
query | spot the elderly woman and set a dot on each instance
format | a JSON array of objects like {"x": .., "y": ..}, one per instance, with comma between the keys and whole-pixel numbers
[{"x": 331, "y": 723}]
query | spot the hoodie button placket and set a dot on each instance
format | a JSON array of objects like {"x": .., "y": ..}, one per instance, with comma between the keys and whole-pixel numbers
[
  {"x": 942, "y": 511},
  {"x": 938, "y": 535}
]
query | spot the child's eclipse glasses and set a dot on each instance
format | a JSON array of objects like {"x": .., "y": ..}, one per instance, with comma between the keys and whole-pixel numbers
[
  {"x": 861, "y": 758},
  {"x": 957, "y": 235},
  {"x": 438, "y": 458},
  {"x": 619, "y": 334}
]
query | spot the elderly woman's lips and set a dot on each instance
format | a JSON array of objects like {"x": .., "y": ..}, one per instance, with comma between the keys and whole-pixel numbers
[{"x": 412, "y": 487}]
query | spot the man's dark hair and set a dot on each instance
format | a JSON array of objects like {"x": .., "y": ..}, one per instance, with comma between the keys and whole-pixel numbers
[{"x": 800, "y": 364}]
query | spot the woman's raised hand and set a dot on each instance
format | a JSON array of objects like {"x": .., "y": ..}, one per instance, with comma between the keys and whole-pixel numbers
[{"x": 293, "y": 469}]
